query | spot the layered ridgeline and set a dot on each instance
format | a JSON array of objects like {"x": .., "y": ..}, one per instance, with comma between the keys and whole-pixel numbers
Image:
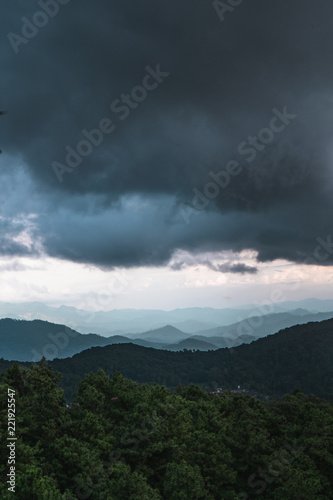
[
  {"x": 121, "y": 440},
  {"x": 297, "y": 357},
  {"x": 30, "y": 340},
  {"x": 23, "y": 340},
  {"x": 190, "y": 320}
]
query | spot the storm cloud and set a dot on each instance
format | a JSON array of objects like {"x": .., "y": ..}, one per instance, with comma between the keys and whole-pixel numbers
[{"x": 165, "y": 95}]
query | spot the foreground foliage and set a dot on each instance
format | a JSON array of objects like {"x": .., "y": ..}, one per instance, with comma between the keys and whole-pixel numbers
[{"x": 120, "y": 440}]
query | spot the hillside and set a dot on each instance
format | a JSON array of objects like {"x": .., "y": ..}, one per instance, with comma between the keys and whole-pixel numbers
[
  {"x": 221, "y": 342},
  {"x": 23, "y": 340},
  {"x": 30, "y": 340},
  {"x": 191, "y": 344},
  {"x": 297, "y": 357},
  {"x": 260, "y": 326},
  {"x": 166, "y": 335}
]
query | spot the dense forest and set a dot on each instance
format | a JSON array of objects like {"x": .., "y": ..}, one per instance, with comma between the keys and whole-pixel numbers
[{"x": 121, "y": 440}]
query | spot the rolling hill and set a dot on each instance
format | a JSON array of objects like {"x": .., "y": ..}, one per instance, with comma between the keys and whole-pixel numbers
[
  {"x": 260, "y": 326},
  {"x": 166, "y": 335},
  {"x": 297, "y": 357},
  {"x": 30, "y": 340},
  {"x": 23, "y": 340},
  {"x": 191, "y": 344}
]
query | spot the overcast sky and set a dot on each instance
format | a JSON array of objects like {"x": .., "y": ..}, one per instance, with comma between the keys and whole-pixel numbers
[{"x": 186, "y": 145}]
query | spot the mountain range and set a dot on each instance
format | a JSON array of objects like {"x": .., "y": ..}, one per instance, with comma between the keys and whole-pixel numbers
[
  {"x": 299, "y": 357},
  {"x": 124, "y": 321},
  {"x": 296, "y": 357},
  {"x": 24, "y": 340}
]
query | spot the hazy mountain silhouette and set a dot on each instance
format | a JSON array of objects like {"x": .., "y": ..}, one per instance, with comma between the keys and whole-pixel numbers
[
  {"x": 30, "y": 340},
  {"x": 260, "y": 326}
]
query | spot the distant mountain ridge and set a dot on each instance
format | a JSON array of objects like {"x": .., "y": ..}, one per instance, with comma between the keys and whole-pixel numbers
[
  {"x": 259, "y": 326},
  {"x": 192, "y": 344},
  {"x": 166, "y": 334},
  {"x": 122, "y": 321},
  {"x": 30, "y": 340},
  {"x": 24, "y": 340}
]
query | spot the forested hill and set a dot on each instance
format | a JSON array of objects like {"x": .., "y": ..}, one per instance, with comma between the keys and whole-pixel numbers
[
  {"x": 297, "y": 357},
  {"x": 30, "y": 340}
]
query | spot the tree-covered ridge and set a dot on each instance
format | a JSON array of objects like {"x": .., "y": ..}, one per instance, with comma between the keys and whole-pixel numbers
[
  {"x": 297, "y": 357},
  {"x": 23, "y": 340},
  {"x": 120, "y": 440}
]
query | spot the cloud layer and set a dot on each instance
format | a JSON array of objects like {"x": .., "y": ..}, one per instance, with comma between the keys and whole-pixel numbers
[{"x": 206, "y": 99}]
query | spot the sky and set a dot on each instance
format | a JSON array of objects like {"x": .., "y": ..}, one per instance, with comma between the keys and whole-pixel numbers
[{"x": 165, "y": 154}]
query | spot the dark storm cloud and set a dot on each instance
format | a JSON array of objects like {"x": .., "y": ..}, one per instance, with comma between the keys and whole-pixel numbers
[
  {"x": 184, "y": 261},
  {"x": 11, "y": 243},
  {"x": 224, "y": 81},
  {"x": 238, "y": 268}
]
